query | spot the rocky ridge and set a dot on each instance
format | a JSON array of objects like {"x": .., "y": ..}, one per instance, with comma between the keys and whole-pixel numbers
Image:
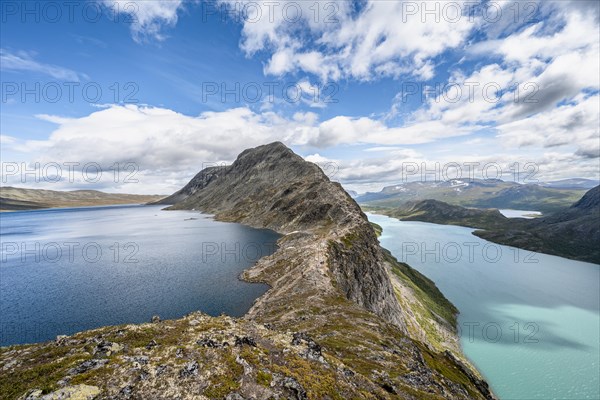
[{"x": 332, "y": 326}]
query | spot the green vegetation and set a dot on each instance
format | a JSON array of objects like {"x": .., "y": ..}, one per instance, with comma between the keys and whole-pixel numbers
[
  {"x": 377, "y": 228},
  {"x": 40, "y": 368},
  {"x": 429, "y": 292}
]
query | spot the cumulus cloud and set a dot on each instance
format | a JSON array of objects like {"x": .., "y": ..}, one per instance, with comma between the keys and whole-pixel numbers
[
  {"x": 369, "y": 172},
  {"x": 162, "y": 142},
  {"x": 573, "y": 124},
  {"x": 25, "y": 61},
  {"x": 147, "y": 18},
  {"x": 543, "y": 91},
  {"x": 343, "y": 39},
  {"x": 159, "y": 138}
]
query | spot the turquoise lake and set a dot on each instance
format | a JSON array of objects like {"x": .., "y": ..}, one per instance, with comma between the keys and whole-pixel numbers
[
  {"x": 528, "y": 321},
  {"x": 68, "y": 270}
]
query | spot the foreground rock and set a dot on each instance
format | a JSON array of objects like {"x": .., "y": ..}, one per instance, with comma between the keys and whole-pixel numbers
[{"x": 343, "y": 319}]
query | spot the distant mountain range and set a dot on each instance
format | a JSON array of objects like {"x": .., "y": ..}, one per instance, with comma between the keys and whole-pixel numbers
[
  {"x": 15, "y": 199},
  {"x": 491, "y": 193},
  {"x": 572, "y": 232},
  {"x": 572, "y": 183}
]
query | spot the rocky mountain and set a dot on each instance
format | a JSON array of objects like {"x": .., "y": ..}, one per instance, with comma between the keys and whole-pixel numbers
[
  {"x": 572, "y": 232},
  {"x": 14, "y": 199},
  {"x": 489, "y": 193},
  {"x": 271, "y": 187},
  {"x": 342, "y": 319}
]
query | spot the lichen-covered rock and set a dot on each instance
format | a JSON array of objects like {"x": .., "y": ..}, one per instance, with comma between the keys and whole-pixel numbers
[{"x": 78, "y": 392}]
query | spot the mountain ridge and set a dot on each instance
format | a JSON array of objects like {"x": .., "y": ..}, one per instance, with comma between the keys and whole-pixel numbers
[{"x": 342, "y": 318}]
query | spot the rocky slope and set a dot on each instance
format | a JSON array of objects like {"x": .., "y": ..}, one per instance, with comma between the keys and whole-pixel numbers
[
  {"x": 271, "y": 187},
  {"x": 14, "y": 199},
  {"x": 343, "y": 319}
]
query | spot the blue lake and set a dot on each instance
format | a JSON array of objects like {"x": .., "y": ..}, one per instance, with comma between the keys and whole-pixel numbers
[
  {"x": 67, "y": 270},
  {"x": 530, "y": 322}
]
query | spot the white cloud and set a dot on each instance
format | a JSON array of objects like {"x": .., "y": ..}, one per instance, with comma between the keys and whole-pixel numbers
[
  {"x": 169, "y": 147},
  {"x": 363, "y": 173},
  {"x": 25, "y": 61},
  {"x": 554, "y": 64},
  {"x": 334, "y": 40},
  {"x": 147, "y": 18},
  {"x": 6, "y": 139},
  {"x": 573, "y": 124},
  {"x": 162, "y": 142}
]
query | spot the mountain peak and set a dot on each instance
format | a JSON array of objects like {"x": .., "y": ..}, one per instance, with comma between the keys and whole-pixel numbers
[
  {"x": 271, "y": 187},
  {"x": 274, "y": 148}
]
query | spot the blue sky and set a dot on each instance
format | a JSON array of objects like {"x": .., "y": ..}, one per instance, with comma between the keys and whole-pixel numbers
[{"x": 357, "y": 85}]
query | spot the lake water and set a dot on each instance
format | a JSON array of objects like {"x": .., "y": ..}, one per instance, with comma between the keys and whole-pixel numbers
[
  {"x": 520, "y": 214},
  {"x": 67, "y": 270},
  {"x": 529, "y": 322}
]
